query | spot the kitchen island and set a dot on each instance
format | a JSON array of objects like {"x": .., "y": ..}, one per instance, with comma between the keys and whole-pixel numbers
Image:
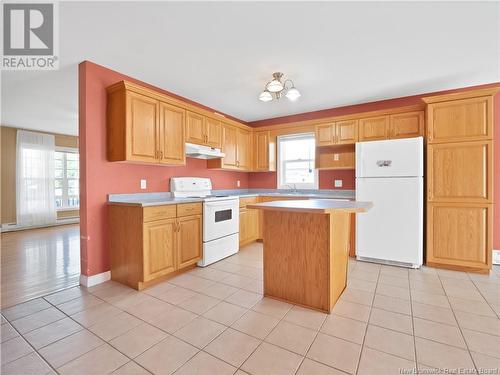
[{"x": 306, "y": 249}]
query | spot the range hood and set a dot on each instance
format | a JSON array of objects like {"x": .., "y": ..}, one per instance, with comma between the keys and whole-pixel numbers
[{"x": 203, "y": 152}]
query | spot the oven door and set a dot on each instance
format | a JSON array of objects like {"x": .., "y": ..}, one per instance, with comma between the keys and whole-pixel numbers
[{"x": 220, "y": 218}]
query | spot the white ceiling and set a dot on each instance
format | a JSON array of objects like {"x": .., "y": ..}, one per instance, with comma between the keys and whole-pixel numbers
[{"x": 221, "y": 54}]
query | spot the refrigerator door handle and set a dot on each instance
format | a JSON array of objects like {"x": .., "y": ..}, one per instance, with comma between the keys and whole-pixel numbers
[{"x": 384, "y": 163}]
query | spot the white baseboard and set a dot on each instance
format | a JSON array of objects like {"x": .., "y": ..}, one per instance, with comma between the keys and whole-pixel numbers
[
  {"x": 11, "y": 227},
  {"x": 89, "y": 281}
]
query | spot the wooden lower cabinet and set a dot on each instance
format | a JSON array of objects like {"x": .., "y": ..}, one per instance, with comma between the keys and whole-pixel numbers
[
  {"x": 151, "y": 243},
  {"x": 459, "y": 235},
  {"x": 159, "y": 246},
  {"x": 249, "y": 226},
  {"x": 189, "y": 248}
]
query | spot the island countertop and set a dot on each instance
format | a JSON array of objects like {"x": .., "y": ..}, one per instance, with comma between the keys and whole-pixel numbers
[{"x": 314, "y": 206}]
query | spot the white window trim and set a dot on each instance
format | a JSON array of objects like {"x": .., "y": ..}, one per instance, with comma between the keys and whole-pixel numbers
[
  {"x": 279, "y": 169},
  {"x": 74, "y": 151}
]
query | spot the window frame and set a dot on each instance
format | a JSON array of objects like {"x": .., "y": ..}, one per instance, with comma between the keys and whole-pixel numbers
[
  {"x": 65, "y": 185},
  {"x": 280, "y": 183}
]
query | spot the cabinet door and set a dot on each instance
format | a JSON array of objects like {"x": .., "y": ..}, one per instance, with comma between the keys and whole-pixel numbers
[
  {"x": 262, "y": 161},
  {"x": 407, "y": 125},
  {"x": 253, "y": 225},
  {"x": 195, "y": 128},
  {"x": 458, "y": 120},
  {"x": 460, "y": 172},
  {"x": 229, "y": 145},
  {"x": 142, "y": 128},
  {"x": 346, "y": 132},
  {"x": 172, "y": 143},
  {"x": 243, "y": 226},
  {"x": 373, "y": 128},
  {"x": 189, "y": 249},
  {"x": 159, "y": 248},
  {"x": 459, "y": 235},
  {"x": 243, "y": 150},
  {"x": 325, "y": 134},
  {"x": 213, "y": 132}
]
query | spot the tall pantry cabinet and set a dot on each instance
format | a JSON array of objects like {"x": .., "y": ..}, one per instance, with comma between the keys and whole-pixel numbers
[{"x": 460, "y": 180}]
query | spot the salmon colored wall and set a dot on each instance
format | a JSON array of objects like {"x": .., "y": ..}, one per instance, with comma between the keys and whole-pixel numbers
[
  {"x": 100, "y": 177},
  {"x": 268, "y": 180}
]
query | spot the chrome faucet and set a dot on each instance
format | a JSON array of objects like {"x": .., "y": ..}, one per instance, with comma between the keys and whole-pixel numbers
[{"x": 292, "y": 187}]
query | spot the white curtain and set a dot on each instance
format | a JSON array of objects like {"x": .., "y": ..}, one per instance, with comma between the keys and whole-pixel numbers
[{"x": 35, "y": 195}]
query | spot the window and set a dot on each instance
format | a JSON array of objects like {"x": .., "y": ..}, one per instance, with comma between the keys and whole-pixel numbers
[
  {"x": 296, "y": 161},
  {"x": 67, "y": 189}
]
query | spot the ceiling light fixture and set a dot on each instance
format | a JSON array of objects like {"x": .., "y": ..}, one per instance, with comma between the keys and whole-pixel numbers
[{"x": 275, "y": 89}]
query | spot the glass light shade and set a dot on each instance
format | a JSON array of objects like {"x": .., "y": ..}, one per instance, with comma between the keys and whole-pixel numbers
[
  {"x": 265, "y": 96},
  {"x": 292, "y": 94},
  {"x": 274, "y": 86}
]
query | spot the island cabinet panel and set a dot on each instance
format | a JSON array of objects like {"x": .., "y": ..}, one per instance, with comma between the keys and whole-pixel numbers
[
  {"x": 460, "y": 171},
  {"x": 142, "y": 128},
  {"x": 316, "y": 257},
  {"x": 149, "y": 244},
  {"x": 460, "y": 120},
  {"x": 172, "y": 132},
  {"x": 373, "y": 128},
  {"x": 407, "y": 125},
  {"x": 189, "y": 241},
  {"x": 459, "y": 235},
  {"x": 159, "y": 248},
  {"x": 195, "y": 128}
]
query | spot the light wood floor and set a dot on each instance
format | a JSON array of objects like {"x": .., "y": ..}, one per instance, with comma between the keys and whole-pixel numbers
[{"x": 38, "y": 261}]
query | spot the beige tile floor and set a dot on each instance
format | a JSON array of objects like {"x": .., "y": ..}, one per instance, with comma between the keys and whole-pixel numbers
[{"x": 215, "y": 321}]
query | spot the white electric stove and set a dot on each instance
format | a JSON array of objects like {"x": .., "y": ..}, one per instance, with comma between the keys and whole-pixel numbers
[{"x": 221, "y": 214}]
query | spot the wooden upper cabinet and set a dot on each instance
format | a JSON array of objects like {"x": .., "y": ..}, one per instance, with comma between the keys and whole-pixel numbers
[
  {"x": 195, "y": 128},
  {"x": 346, "y": 132},
  {"x": 264, "y": 152},
  {"x": 407, "y": 125},
  {"x": 459, "y": 235},
  {"x": 159, "y": 248},
  {"x": 373, "y": 128},
  {"x": 229, "y": 145},
  {"x": 203, "y": 130},
  {"x": 213, "y": 131},
  {"x": 459, "y": 120},
  {"x": 172, "y": 132},
  {"x": 325, "y": 134},
  {"x": 142, "y": 128},
  {"x": 243, "y": 150},
  {"x": 461, "y": 171},
  {"x": 189, "y": 249}
]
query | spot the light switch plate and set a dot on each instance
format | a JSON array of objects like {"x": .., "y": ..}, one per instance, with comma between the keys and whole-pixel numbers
[
  {"x": 336, "y": 157},
  {"x": 143, "y": 184},
  {"x": 337, "y": 183},
  {"x": 238, "y": 183}
]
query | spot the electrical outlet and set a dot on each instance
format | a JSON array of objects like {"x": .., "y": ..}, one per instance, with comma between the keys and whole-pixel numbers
[
  {"x": 337, "y": 183},
  {"x": 143, "y": 184},
  {"x": 336, "y": 157},
  {"x": 238, "y": 183}
]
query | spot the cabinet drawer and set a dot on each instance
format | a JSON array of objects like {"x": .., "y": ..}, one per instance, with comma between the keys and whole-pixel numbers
[
  {"x": 159, "y": 212},
  {"x": 189, "y": 209},
  {"x": 248, "y": 200}
]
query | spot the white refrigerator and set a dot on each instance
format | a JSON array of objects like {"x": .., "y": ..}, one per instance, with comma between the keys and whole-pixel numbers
[{"x": 390, "y": 174}]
